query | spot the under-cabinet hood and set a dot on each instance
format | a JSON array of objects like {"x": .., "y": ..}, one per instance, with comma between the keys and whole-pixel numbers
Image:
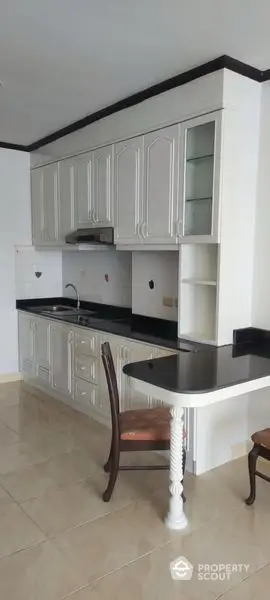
[{"x": 97, "y": 237}]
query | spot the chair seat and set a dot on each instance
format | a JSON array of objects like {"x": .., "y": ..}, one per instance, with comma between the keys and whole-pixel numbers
[
  {"x": 149, "y": 424},
  {"x": 262, "y": 438}
]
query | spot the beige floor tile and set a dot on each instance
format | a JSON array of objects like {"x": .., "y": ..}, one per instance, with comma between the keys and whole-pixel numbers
[
  {"x": 5, "y": 498},
  {"x": 58, "y": 442},
  {"x": 10, "y": 394},
  {"x": 68, "y": 506},
  {"x": 147, "y": 578},
  {"x": 27, "y": 420},
  {"x": 72, "y": 466},
  {"x": 39, "y": 573},
  {"x": 17, "y": 530},
  {"x": 7, "y": 436},
  {"x": 255, "y": 586},
  {"x": 228, "y": 539},
  {"x": 71, "y": 505},
  {"x": 108, "y": 543},
  {"x": 29, "y": 482},
  {"x": 17, "y": 456}
]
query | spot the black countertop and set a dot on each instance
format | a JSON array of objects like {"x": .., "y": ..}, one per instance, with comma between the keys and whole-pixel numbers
[
  {"x": 205, "y": 370},
  {"x": 195, "y": 368},
  {"x": 115, "y": 320}
]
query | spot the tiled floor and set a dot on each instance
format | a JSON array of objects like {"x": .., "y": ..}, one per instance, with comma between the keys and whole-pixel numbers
[{"x": 58, "y": 539}]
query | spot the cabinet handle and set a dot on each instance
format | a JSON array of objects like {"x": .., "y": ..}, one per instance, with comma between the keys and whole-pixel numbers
[
  {"x": 83, "y": 393},
  {"x": 83, "y": 368},
  {"x": 82, "y": 342},
  {"x": 144, "y": 230}
]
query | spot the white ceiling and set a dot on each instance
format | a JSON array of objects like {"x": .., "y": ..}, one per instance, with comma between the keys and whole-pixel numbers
[{"x": 63, "y": 59}]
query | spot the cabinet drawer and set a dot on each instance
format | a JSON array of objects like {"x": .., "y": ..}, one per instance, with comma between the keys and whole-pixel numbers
[
  {"x": 85, "y": 393},
  {"x": 86, "y": 368},
  {"x": 85, "y": 343}
]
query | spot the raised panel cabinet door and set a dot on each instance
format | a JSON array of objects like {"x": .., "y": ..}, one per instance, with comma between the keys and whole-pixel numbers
[
  {"x": 37, "y": 206},
  {"x": 61, "y": 357},
  {"x": 83, "y": 189},
  {"x": 66, "y": 210},
  {"x": 161, "y": 158},
  {"x": 128, "y": 178},
  {"x": 50, "y": 204},
  {"x": 42, "y": 350},
  {"x": 26, "y": 344},
  {"x": 103, "y": 186}
]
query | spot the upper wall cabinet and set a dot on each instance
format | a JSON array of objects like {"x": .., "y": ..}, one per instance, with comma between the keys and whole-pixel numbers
[
  {"x": 83, "y": 189},
  {"x": 44, "y": 198},
  {"x": 128, "y": 191},
  {"x": 199, "y": 178},
  {"x": 103, "y": 186},
  {"x": 66, "y": 210},
  {"x": 161, "y": 158}
]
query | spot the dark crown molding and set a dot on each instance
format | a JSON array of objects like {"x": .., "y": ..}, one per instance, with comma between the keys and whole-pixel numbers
[
  {"x": 223, "y": 62},
  {"x": 8, "y": 146}
]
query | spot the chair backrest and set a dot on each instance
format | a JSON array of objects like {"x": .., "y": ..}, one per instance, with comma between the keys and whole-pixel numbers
[{"x": 108, "y": 364}]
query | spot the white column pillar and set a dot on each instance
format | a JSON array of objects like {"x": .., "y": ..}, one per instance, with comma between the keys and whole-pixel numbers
[{"x": 176, "y": 518}]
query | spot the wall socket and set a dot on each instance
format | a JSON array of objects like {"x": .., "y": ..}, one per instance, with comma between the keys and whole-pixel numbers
[{"x": 168, "y": 301}]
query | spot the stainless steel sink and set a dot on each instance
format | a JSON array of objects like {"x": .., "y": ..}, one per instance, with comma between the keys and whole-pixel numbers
[{"x": 62, "y": 310}]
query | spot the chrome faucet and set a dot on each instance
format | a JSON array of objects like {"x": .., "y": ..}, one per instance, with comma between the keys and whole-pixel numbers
[{"x": 76, "y": 292}]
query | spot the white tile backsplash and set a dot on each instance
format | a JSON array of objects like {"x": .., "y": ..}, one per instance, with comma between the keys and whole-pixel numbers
[
  {"x": 28, "y": 262},
  {"x": 101, "y": 276},
  {"x": 162, "y": 268}
]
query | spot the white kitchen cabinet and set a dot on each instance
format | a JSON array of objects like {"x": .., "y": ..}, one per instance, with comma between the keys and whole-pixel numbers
[
  {"x": 128, "y": 175},
  {"x": 199, "y": 185},
  {"x": 26, "y": 329},
  {"x": 84, "y": 189},
  {"x": 62, "y": 359},
  {"x": 103, "y": 187},
  {"x": 66, "y": 209},
  {"x": 42, "y": 350},
  {"x": 160, "y": 201},
  {"x": 44, "y": 199}
]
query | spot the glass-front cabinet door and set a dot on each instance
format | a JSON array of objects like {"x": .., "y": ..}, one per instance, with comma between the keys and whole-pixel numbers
[{"x": 200, "y": 151}]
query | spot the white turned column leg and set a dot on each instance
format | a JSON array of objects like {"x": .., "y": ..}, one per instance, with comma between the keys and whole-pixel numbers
[{"x": 176, "y": 518}]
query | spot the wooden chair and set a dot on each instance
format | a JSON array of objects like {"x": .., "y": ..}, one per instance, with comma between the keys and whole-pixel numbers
[
  {"x": 261, "y": 448},
  {"x": 132, "y": 430}
]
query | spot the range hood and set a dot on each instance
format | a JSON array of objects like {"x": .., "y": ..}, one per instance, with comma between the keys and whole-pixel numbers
[{"x": 95, "y": 238}]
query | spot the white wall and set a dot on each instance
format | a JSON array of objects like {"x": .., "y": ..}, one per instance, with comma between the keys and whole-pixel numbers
[
  {"x": 15, "y": 228},
  {"x": 28, "y": 262},
  {"x": 88, "y": 271},
  {"x": 162, "y": 268},
  {"x": 261, "y": 276}
]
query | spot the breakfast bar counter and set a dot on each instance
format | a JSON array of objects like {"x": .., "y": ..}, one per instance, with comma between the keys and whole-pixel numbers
[{"x": 197, "y": 379}]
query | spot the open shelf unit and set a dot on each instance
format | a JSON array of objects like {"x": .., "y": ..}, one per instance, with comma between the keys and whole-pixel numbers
[{"x": 198, "y": 289}]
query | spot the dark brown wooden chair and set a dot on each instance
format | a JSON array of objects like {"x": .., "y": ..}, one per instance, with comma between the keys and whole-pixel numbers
[
  {"x": 261, "y": 448},
  {"x": 132, "y": 430}
]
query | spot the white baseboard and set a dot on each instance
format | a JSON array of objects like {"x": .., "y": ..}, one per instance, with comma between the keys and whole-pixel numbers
[{"x": 8, "y": 377}]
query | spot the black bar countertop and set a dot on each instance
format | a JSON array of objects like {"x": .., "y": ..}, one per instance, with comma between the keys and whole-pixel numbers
[
  {"x": 209, "y": 369},
  {"x": 113, "y": 319}
]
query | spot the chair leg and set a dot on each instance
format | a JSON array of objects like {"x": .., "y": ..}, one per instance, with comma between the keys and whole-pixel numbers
[
  {"x": 252, "y": 461},
  {"x": 184, "y": 466},
  {"x": 114, "y": 468},
  {"x": 107, "y": 466}
]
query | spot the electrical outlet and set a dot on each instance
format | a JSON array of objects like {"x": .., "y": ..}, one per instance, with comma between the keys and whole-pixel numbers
[{"x": 167, "y": 301}]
